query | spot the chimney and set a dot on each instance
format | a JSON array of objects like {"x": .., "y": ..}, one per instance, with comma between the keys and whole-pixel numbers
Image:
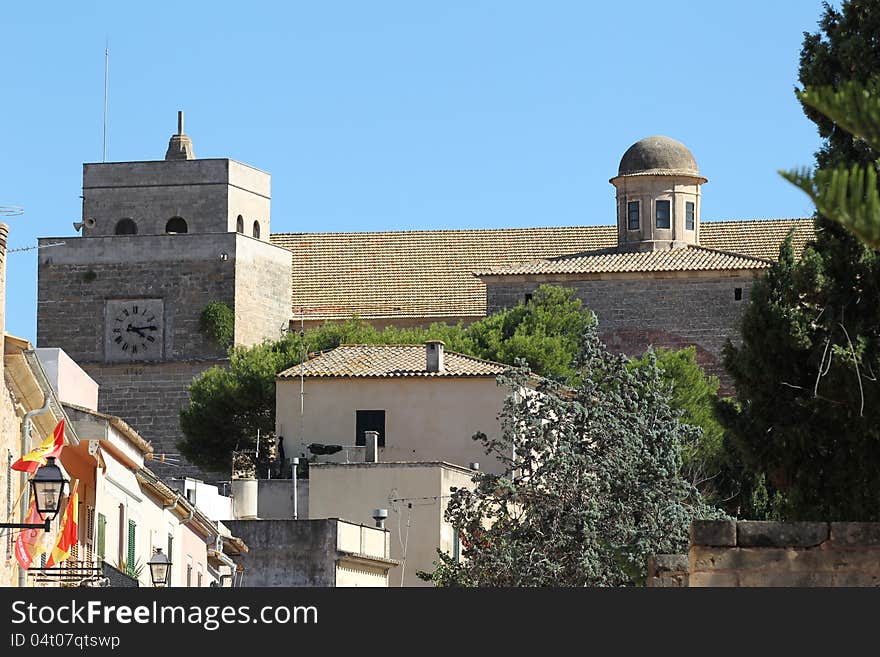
[
  {"x": 371, "y": 439},
  {"x": 434, "y": 355}
]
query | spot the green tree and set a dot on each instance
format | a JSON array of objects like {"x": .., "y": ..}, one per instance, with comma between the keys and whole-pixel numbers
[
  {"x": 808, "y": 417},
  {"x": 591, "y": 483},
  {"x": 544, "y": 331}
]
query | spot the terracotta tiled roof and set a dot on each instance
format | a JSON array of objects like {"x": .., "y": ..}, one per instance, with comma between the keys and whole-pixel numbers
[
  {"x": 690, "y": 258},
  {"x": 427, "y": 274},
  {"x": 388, "y": 361}
]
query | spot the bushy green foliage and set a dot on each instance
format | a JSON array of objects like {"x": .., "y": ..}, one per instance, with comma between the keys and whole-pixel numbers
[
  {"x": 591, "y": 483},
  {"x": 808, "y": 417},
  {"x": 545, "y": 332},
  {"x": 218, "y": 323},
  {"x": 695, "y": 395}
]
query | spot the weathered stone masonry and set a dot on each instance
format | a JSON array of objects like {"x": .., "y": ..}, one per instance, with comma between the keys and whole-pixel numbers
[
  {"x": 636, "y": 311},
  {"x": 750, "y": 553},
  {"x": 187, "y": 272}
]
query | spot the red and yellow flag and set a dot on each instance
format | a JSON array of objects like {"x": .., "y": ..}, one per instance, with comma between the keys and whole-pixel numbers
[
  {"x": 28, "y": 544},
  {"x": 50, "y": 447},
  {"x": 68, "y": 535}
]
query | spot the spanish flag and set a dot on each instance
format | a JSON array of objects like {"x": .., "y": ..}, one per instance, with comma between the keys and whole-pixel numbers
[
  {"x": 68, "y": 535},
  {"x": 29, "y": 543},
  {"x": 50, "y": 447}
]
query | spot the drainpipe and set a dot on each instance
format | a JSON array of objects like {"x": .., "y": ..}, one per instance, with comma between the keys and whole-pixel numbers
[
  {"x": 171, "y": 507},
  {"x": 23, "y": 479}
]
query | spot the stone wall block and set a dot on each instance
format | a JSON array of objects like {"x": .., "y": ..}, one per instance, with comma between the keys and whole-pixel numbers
[
  {"x": 855, "y": 533},
  {"x": 780, "y": 534},
  {"x": 713, "y": 532}
]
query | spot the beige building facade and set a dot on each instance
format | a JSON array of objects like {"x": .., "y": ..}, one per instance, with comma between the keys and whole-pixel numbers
[
  {"x": 420, "y": 415},
  {"x": 414, "y": 494}
]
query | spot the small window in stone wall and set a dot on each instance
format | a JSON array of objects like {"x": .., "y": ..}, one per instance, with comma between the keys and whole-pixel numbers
[
  {"x": 176, "y": 225},
  {"x": 126, "y": 227},
  {"x": 528, "y": 297},
  {"x": 257, "y": 229},
  {"x": 663, "y": 214},
  {"x": 689, "y": 215},
  {"x": 632, "y": 214},
  {"x": 239, "y": 224},
  {"x": 737, "y": 294}
]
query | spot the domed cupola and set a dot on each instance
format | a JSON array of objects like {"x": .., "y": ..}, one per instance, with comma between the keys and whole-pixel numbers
[{"x": 658, "y": 196}]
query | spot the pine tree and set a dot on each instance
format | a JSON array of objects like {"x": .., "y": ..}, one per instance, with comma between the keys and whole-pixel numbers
[{"x": 808, "y": 418}]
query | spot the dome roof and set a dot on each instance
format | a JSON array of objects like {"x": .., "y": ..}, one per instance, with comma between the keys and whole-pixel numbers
[{"x": 659, "y": 156}]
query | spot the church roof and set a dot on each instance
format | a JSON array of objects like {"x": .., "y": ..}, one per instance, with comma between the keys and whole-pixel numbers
[
  {"x": 389, "y": 361},
  {"x": 608, "y": 261},
  {"x": 427, "y": 274}
]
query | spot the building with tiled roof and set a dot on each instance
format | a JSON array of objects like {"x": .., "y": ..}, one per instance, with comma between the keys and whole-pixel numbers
[
  {"x": 413, "y": 277},
  {"x": 389, "y": 361},
  {"x": 424, "y": 403},
  {"x": 658, "y": 277}
]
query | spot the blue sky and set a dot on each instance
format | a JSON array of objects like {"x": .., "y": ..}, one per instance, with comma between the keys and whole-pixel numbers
[{"x": 402, "y": 115}]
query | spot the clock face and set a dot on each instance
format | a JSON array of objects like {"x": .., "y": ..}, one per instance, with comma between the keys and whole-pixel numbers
[{"x": 134, "y": 329}]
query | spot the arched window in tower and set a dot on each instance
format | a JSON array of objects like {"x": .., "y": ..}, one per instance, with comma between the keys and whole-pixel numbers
[
  {"x": 257, "y": 229},
  {"x": 176, "y": 225},
  {"x": 126, "y": 227},
  {"x": 239, "y": 225}
]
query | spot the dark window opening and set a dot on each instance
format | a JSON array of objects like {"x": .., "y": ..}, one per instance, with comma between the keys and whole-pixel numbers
[
  {"x": 257, "y": 229},
  {"x": 126, "y": 227},
  {"x": 239, "y": 224},
  {"x": 369, "y": 421},
  {"x": 737, "y": 294},
  {"x": 689, "y": 215},
  {"x": 632, "y": 212},
  {"x": 176, "y": 225},
  {"x": 528, "y": 297},
  {"x": 663, "y": 214}
]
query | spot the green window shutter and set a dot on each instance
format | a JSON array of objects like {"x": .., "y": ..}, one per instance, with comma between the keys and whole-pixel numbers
[
  {"x": 132, "y": 527},
  {"x": 102, "y": 535}
]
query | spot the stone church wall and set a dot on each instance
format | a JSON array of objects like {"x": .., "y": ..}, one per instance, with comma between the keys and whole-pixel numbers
[
  {"x": 637, "y": 311},
  {"x": 187, "y": 271},
  {"x": 149, "y": 397},
  {"x": 262, "y": 291},
  {"x": 75, "y": 279}
]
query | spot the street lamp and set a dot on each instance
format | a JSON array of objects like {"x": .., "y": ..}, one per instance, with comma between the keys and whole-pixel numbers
[
  {"x": 47, "y": 486},
  {"x": 160, "y": 566}
]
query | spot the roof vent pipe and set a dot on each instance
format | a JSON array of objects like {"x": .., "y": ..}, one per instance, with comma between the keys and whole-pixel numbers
[
  {"x": 434, "y": 355},
  {"x": 379, "y": 515}
]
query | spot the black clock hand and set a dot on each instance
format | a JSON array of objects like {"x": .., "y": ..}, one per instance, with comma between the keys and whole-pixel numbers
[
  {"x": 144, "y": 328},
  {"x": 135, "y": 329}
]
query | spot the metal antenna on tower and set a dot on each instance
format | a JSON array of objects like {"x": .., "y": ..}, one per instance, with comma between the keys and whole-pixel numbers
[
  {"x": 302, "y": 380},
  {"x": 106, "y": 81}
]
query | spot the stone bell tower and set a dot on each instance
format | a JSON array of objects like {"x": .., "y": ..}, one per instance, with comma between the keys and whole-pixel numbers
[
  {"x": 161, "y": 240},
  {"x": 658, "y": 196}
]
